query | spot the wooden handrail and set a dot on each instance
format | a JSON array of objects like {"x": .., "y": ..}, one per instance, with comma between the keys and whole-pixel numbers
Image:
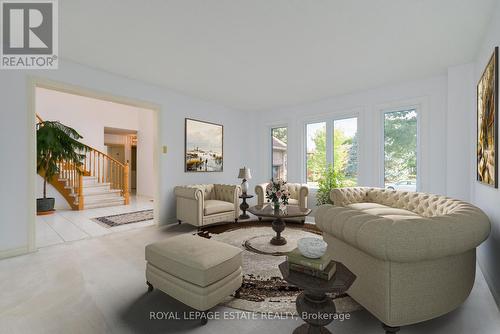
[
  {"x": 98, "y": 164},
  {"x": 89, "y": 148}
]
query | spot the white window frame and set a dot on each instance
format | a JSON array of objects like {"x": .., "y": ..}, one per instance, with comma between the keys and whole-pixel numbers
[
  {"x": 329, "y": 119},
  {"x": 270, "y": 147},
  {"x": 418, "y": 107}
]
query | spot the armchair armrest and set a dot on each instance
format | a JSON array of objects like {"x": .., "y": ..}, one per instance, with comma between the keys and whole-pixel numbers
[
  {"x": 303, "y": 193},
  {"x": 299, "y": 192},
  {"x": 260, "y": 191},
  {"x": 189, "y": 204}
]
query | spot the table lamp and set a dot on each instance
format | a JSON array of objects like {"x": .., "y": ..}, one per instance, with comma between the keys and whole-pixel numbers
[{"x": 245, "y": 175}]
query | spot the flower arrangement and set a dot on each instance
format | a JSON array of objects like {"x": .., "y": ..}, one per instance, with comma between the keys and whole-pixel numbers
[{"x": 277, "y": 192}]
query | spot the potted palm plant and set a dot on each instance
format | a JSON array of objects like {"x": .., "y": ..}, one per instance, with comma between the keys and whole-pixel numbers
[{"x": 56, "y": 143}]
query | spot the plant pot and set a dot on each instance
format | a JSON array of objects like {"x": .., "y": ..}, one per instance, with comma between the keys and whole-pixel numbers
[{"x": 45, "y": 204}]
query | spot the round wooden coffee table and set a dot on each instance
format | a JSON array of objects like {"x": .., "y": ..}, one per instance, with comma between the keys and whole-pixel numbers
[
  {"x": 313, "y": 305},
  {"x": 267, "y": 210}
]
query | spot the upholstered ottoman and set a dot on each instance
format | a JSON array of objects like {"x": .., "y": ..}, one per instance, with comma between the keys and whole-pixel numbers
[{"x": 198, "y": 272}]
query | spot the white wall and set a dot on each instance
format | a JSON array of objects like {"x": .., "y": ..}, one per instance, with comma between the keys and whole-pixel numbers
[
  {"x": 15, "y": 139},
  {"x": 430, "y": 93},
  {"x": 488, "y": 198},
  {"x": 86, "y": 115},
  {"x": 145, "y": 150},
  {"x": 460, "y": 140}
]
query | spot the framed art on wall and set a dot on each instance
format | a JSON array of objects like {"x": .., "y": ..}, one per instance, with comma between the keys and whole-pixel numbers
[
  {"x": 204, "y": 146},
  {"x": 487, "y": 127}
]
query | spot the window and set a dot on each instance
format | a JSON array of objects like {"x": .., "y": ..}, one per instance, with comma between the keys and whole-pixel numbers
[
  {"x": 345, "y": 150},
  {"x": 337, "y": 147},
  {"x": 279, "y": 140},
  {"x": 315, "y": 152},
  {"x": 400, "y": 150}
]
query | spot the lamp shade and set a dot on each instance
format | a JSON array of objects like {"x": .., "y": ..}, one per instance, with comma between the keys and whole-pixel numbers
[{"x": 245, "y": 173}]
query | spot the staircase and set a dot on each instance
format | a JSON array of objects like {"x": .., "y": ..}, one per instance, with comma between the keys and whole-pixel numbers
[
  {"x": 99, "y": 194},
  {"x": 100, "y": 181}
]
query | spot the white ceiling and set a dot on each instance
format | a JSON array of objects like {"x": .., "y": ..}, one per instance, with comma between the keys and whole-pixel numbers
[{"x": 262, "y": 54}]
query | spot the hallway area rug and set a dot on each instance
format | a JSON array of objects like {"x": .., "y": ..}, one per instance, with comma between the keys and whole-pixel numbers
[
  {"x": 125, "y": 218},
  {"x": 264, "y": 289}
]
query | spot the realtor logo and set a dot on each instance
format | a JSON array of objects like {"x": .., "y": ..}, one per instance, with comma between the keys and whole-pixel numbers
[{"x": 29, "y": 34}]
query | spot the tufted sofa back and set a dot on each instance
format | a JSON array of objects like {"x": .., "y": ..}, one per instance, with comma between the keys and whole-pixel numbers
[
  {"x": 207, "y": 189},
  {"x": 224, "y": 192},
  {"x": 423, "y": 204},
  {"x": 221, "y": 192}
]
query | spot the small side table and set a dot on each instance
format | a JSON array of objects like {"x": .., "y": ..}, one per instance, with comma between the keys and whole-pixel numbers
[
  {"x": 244, "y": 206},
  {"x": 313, "y": 300}
]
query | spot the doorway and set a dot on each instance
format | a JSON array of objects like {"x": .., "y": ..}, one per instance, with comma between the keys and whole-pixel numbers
[{"x": 117, "y": 151}]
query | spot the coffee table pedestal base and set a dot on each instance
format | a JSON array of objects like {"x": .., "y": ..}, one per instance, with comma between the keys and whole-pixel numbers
[
  {"x": 319, "y": 311},
  {"x": 308, "y": 329},
  {"x": 278, "y": 227}
]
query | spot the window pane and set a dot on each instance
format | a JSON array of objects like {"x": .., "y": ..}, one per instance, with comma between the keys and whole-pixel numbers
[
  {"x": 400, "y": 150},
  {"x": 316, "y": 152},
  {"x": 345, "y": 150},
  {"x": 279, "y": 137}
]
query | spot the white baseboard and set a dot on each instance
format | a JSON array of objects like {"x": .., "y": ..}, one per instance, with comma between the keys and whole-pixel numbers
[{"x": 14, "y": 252}]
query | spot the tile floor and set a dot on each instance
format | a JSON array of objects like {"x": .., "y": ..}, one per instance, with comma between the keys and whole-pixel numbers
[
  {"x": 68, "y": 225},
  {"x": 97, "y": 285}
]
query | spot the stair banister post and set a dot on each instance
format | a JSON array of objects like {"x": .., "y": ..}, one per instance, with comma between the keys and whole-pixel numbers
[
  {"x": 80, "y": 191},
  {"x": 126, "y": 193}
]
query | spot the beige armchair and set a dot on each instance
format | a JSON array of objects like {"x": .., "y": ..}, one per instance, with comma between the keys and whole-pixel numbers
[
  {"x": 298, "y": 194},
  {"x": 205, "y": 204}
]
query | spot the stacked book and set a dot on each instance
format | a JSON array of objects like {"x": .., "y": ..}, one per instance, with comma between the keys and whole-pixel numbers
[{"x": 322, "y": 267}]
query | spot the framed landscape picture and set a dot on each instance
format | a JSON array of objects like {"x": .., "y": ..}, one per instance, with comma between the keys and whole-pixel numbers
[
  {"x": 204, "y": 148},
  {"x": 487, "y": 127}
]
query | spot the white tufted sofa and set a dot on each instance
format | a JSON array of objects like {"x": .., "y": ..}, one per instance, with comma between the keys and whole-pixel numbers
[
  {"x": 414, "y": 254},
  {"x": 205, "y": 204},
  {"x": 298, "y": 194}
]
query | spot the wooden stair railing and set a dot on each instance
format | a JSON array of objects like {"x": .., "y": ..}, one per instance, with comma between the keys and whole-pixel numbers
[
  {"x": 104, "y": 168},
  {"x": 108, "y": 170}
]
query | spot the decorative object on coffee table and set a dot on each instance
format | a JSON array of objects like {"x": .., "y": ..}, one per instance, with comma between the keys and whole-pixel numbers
[
  {"x": 244, "y": 206},
  {"x": 245, "y": 175},
  {"x": 313, "y": 300},
  {"x": 312, "y": 248},
  {"x": 277, "y": 193},
  {"x": 298, "y": 196},
  {"x": 268, "y": 210}
]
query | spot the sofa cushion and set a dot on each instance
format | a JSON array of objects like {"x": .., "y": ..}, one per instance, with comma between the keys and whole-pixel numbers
[
  {"x": 213, "y": 206},
  {"x": 365, "y": 206},
  {"x": 194, "y": 259},
  {"x": 383, "y": 211}
]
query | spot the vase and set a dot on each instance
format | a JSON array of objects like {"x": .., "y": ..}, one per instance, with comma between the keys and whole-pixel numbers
[{"x": 276, "y": 206}]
